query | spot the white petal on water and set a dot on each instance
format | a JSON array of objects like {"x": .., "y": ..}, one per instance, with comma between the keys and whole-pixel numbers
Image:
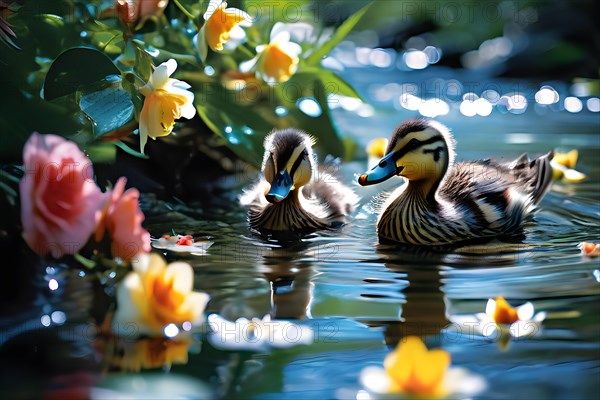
[
  {"x": 375, "y": 379},
  {"x": 525, "y": 312}
]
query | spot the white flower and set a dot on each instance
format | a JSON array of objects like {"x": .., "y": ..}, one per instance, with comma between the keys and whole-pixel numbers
[
  {"x": 181, "y": 244},
  {"x": 500, "y": 319},
  {"x": 257, "y": 334}
]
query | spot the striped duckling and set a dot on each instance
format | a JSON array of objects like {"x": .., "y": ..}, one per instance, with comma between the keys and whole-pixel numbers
[
  {"x": 293, "y": 195},
  {"x": 446, "y": 203}
]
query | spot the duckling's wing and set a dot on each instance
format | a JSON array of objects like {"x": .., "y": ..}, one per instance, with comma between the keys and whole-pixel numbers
[
  {"x": 338, "y": 199},
  {"x": 489, "y": 178},
  {"x": 497, "y": 195},
  {"x": 534, "y": 176}
]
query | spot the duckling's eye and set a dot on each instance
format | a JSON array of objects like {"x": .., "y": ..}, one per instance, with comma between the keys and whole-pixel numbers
[{"x": 412, "y": 144}]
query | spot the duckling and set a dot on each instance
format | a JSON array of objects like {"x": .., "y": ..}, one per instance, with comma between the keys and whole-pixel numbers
[
  {"x": 446, "y": 203},
  {"x": 293, "y": 195}
]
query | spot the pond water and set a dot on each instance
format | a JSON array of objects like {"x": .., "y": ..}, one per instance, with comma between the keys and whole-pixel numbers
[{"x": 359, "y": 297}]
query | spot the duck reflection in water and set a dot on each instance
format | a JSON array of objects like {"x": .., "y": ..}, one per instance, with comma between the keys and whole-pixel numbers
[
  {"x": 423, "y": 313},
  {"x": 291, "y": 284}
]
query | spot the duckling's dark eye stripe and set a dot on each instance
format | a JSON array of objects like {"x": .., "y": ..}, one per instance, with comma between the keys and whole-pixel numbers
[
  {"x": 297, "y": 162},
  {"x": 414, "y": 144}
]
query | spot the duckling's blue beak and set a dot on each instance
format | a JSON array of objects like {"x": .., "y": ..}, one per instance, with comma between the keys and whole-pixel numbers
[
  {"x": 385, "y": 169},
  {"x": 280, "y": 188}
]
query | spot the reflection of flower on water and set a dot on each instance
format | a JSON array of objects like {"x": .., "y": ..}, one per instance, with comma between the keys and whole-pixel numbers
[
  {"x": 155, "y": 352},
  {"x": 412, "y": 369},
  {"x": 257, "y": 334},
  {"x": 156, "y": 295},
  {"x": 181, "y": 244}
]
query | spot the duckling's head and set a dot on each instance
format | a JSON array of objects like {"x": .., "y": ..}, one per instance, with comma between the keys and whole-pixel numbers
[
  {"x": 418, "y": 149},
  {"x": 288, "y": 162}
]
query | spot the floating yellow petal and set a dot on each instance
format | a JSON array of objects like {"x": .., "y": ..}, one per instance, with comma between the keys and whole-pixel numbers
[{"x": 414, "y": 369}]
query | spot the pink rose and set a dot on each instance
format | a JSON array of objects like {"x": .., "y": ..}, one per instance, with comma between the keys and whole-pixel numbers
[
  {"x": 60, "y": 202},
  {"x": 122, "y": 218}
]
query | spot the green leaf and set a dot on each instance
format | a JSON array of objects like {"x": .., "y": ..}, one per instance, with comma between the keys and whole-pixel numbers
[
  {"x": 143, "y": 61},
  {"x": 131, "y": 83},
  {"x": 76, "y": 67},
  {"x": 339, "y": 35},
  {"x": 321, "y": 126},
  {"x": 108, "y": 105},
  {"x": 332, "y": 82},
  {"x": 240, "y": 125}
]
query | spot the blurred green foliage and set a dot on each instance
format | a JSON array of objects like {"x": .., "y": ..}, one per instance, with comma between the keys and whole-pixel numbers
[{"x": 75, "y": 68}]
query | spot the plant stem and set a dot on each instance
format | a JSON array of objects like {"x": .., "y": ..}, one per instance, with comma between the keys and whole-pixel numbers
[
  {"x": 183, "y": 10},
  {"x": 179, "y": 57},
  {"x": 246, "y": 51}
]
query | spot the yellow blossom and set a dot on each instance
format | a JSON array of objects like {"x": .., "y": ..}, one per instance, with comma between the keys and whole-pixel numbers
[
  {"x": 156, "y": 294},
  {"x": 413, "y": 370},
  {"x": 376, "y": 150},
  {"x": 222, "y": 24},
  {"x": 277, "y": 61},
  {"x": 500, "y": 318},
  {"x": 166, "y": 99},
  {"x": 568, "y": 159},
  {"x": 563, "y": 166}
]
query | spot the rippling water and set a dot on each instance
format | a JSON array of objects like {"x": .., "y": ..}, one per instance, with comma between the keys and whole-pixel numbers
[{"x": 360, "y": 297}]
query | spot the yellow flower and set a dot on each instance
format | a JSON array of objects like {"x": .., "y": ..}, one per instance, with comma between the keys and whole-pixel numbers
[
  {"x": 277, "y": 61},
  {"x": 151, "y": 353},
  {"x": 376, "y": 150},
  {"x": 563, "y": 166},
  {"x": 568, "y": 159},
  {"x": 502, "y": 312},
  {"x": 412, "y": 369},
  {"x": 222, "y": 24},
  {"x": 166, "y": 100},
  {"x": 500, "y": 319},
  {"x": 155, "y": 295}
]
